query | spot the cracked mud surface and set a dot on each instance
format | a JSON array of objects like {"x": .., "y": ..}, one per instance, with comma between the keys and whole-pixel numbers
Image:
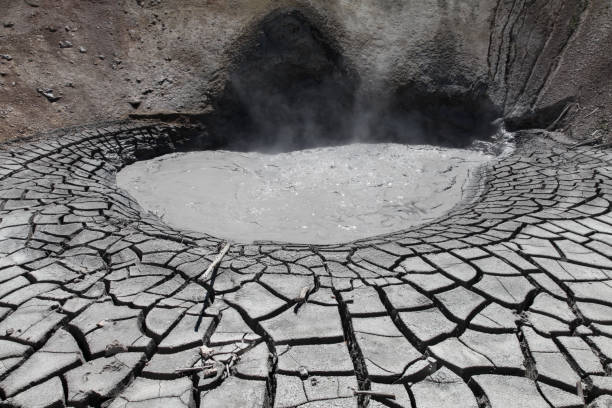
[{"x": 504, "y": 302}]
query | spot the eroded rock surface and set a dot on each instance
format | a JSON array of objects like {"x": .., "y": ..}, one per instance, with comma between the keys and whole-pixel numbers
[{"x": 449, "y": 65}]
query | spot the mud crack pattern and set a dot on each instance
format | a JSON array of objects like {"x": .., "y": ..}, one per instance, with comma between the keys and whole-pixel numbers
[{"x": 505, "y": 302}]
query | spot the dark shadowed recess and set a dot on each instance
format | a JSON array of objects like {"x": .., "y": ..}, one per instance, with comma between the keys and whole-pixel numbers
[
  {"x": 444, "y": 116},
  {"x": 290, "y": 88}
]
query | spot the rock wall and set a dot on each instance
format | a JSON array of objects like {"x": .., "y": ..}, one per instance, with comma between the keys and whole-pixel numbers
[{"x": 538, "y": 63}]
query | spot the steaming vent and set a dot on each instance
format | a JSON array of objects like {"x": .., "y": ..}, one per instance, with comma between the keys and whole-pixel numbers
[
  {"x": 291, "y": 88},
  {"x": 301, "y": 152}
]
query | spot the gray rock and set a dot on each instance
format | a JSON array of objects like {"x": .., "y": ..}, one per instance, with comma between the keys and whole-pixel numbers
[{"x": 48, "y": 93}]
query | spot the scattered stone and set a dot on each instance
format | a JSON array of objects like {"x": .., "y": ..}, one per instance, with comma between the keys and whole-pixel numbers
[
  {"x": 6, "y": 57},
  {"x": 48, "y": 93},
  {"x": 65, "y": 44},
  {"x": 82, "y": 50}
]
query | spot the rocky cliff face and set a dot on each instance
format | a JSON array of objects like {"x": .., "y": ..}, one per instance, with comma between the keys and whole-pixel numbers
[{"x": 439, "y": 66}]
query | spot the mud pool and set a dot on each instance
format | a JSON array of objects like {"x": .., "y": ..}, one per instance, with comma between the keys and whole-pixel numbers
[{"x": 316, "y": 196}]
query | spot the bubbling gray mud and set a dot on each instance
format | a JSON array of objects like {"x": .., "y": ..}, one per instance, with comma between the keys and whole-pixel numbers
[{"x": 316, "y": 196}]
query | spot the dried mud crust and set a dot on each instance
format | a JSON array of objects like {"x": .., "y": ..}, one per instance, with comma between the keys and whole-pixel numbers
[{"x": 505, "y": 302}]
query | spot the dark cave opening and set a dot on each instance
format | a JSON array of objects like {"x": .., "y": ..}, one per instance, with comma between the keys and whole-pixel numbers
[{"x": 291, "y": 88}]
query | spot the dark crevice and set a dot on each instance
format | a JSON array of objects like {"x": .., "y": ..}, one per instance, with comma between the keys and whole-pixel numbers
[
  {"x": 359, "y": 364},
  {"x": 481, "y": 398},
  {"x": 80, "y": 340},
  {"x": 257, "y": 328}
]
